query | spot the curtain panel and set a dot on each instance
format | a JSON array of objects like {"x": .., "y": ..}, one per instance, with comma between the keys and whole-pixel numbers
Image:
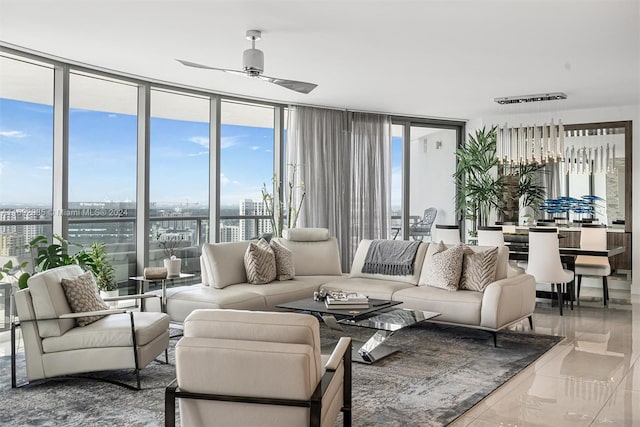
[
  {"x": 317, "y": 142},
  {"x": 346, "y": 173}
]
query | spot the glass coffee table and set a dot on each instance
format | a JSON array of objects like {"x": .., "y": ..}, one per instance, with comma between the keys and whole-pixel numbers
[{"x": 382, "y": 316}]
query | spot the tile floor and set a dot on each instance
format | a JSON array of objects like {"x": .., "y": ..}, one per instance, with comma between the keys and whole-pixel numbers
[{"x": 591, "y": 378}]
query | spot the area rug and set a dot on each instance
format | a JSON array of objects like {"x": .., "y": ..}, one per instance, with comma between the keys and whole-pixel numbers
[{"x": 439, "y": 373}]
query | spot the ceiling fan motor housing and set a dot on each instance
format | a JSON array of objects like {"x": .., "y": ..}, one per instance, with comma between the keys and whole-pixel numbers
[{"x": 253, "y": 61}]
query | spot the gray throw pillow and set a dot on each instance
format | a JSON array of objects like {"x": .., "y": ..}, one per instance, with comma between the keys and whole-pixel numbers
[
  {"x": 260, "y": 263},
  {"x": 478, "y": 269},
  {"x": 285, "y": 269},
  {"x": 83, "y": 295},
  {"x": 444, "y": 267}
]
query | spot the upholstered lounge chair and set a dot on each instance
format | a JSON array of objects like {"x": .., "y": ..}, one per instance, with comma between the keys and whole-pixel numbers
[
  {"x": 54, "y": 346},
  {"x": 250, "y": 368}
]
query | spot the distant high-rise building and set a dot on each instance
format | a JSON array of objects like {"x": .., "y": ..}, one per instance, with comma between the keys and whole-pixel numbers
[
  {"x": 229, "y": 233},
  {"x": 251, "y": 228}
]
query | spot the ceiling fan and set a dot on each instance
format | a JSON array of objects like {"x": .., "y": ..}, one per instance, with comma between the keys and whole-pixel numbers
[{"x": 253, "y": 66}]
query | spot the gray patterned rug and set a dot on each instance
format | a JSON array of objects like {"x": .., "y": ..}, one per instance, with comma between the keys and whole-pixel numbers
[{"x": 440, "y": 372}]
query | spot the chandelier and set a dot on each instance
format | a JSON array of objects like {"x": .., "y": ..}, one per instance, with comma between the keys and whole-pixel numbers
[{"x": 525, "y": 145}]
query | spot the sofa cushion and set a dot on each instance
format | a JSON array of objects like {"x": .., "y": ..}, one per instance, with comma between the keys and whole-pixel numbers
[
  {"x": 111, "y": 331},
  {"x": 314, "y": 258},
  {"x": 260, "y": 263},
  {"x": 49, "y": 300},
  {"x": 306, "y": 234},
  {"x": 462, "y": 307},
  {"x": 373, "y": 288},
  {"x": 478, "y": 268},
  {"x": 277, "y": 292},
  {"x": 224, "y": 263},
  {"x": 83, "y": 296},
  {"x": 442, "y": 266},
  {"x": 285, "y": 269},
  {"x": 361, "y": 254}
]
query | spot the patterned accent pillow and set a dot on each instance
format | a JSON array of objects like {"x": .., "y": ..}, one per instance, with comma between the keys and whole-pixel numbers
[
  {"x": 444, "y": 267},
  {"x": 285, "y": 269},
  {"x": 478, "y": 269},
  {"x": 260, "y": 263},
  {"x": 83, "y": 295}
]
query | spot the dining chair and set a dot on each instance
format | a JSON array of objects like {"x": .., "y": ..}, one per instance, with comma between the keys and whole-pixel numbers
[
  {"x": 494, "y": 236},
  {"x": 422, "y": 227},
  {"x": 507, "y": 226},
  {"x": 544, "y": 262},
  {"x": 449, "y": 234},
  {"x": 593, "y": 236}
]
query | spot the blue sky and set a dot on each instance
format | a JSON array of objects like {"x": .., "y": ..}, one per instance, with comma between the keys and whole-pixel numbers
[{"x": 102, "y": 157}]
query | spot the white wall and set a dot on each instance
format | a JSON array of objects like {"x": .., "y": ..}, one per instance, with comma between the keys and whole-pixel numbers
[{"x": 631, "y": 112}]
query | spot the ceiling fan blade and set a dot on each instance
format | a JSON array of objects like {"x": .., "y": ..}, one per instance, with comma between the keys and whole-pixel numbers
[
  {"x": 301, "y": 87},
  {"x": 206, "y": 67}
]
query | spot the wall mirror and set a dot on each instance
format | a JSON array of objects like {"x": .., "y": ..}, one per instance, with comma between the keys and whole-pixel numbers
[{"x": 597, "y": 162}]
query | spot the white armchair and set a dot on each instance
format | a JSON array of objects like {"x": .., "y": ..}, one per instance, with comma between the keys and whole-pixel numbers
[
  {"x": 54, "y": 346},
  {"x": 249, "y": 368}
]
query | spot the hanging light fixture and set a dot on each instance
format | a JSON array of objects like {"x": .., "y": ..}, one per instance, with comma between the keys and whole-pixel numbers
[{"x": 522, "y": 145}]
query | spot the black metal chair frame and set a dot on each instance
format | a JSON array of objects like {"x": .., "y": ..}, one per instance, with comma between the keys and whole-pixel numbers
[
  {"x": 314, "y": 403},
  {"x": 423, "y": 227}
]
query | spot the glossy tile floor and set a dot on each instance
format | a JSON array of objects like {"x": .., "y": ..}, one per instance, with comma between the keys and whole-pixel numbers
[{"x": 591, "y": 378}]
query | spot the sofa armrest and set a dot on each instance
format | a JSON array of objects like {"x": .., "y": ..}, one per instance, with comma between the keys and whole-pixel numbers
[
  {"x": 344, "y": 345},
  {"x": 507, "y": 300}
]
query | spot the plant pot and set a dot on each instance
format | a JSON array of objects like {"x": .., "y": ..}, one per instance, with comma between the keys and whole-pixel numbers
[
  {"x": 173, "y": 266},
  {"x": 110, "y": 294}
]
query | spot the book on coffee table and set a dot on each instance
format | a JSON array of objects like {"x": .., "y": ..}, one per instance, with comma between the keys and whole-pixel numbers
[{"x": 346, "y": 300}]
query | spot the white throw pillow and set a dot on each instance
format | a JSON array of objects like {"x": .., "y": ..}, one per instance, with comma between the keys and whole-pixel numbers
[
  {"x": 260, "y": 263},
  {"x": 285, "y": 269},
  {"x": 442, "y": 267}
]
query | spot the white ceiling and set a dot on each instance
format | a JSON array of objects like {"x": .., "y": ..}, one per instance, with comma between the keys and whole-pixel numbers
[{"x": 422, "y": 58}]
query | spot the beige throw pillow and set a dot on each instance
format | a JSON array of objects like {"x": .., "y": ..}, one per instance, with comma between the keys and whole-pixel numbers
[
  {"x": 443, "y": 267},
  {"x": 285, "y": 269},
  {"x": 83, "y": 295},
  {"x": 478, "y": 268},
  {"x": 260, "y": 263}
]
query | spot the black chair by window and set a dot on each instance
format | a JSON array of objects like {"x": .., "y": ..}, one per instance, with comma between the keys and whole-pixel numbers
[{"x": 422, "y": 228}]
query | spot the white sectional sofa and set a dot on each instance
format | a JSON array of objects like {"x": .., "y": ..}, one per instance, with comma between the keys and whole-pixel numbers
[{"x": 317, "y": 265}]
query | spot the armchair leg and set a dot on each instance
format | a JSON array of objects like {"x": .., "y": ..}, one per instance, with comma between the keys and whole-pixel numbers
[
  {"x": 531, "y": 322},
  {"x": 13, "y": 355},
  {"x": 135, "y": 350},
  {"x": 170, "y": 404},
  {"x": 347, "y": 388},
  {"x": 605, "y": 290}
]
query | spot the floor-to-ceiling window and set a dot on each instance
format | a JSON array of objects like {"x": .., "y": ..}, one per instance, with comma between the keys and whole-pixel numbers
[
  {"x": 178, "y": 177},
  {"x": 102, "y": 167},
  {"x": 26, "y": 159},
  {"x": 246, "y": 167}
]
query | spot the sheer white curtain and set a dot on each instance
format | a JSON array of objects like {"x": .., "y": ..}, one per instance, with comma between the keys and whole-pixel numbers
[
  {"x": 346, "y": 174},
  {"x": 370, "y": 177},
  {"x": 317, "y": 141}
]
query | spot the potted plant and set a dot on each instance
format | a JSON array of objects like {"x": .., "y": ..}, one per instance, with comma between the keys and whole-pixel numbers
[
  {"x": 102, "y": 268},
  {"x": 170, "y": 244},
  {"x": 479, "y": 186}
]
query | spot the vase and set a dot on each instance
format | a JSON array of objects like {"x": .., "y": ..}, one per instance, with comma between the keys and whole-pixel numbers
[{"x": 173, "y": 266}]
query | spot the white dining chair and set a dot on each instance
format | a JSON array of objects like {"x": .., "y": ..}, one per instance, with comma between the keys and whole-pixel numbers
[
  {"x": 544, "y": 262},
  {"x": 449, "y": 234},
  {"x": 593, "y": 236},
  {"x": 493, "y": 236}
]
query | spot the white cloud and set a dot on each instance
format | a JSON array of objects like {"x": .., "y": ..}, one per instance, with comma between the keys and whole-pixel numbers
[
  {"x": 200, "y": 140},
  {"x": 199, "y": 153},
  {"x": 1, "y": 168},
  {"x": 112, "y": 115},
  {"x": 12, "y": 134},
  {"x": 223, "y": 179},
  {"x": 228, "y": 141},
  {"x": 44, "y": 168},
  {"x": 254, "y": 147}
]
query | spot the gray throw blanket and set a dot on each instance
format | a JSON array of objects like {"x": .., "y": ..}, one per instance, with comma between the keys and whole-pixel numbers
[{"x": 392, "y": 257}]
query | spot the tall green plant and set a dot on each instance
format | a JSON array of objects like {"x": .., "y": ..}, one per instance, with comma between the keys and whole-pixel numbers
[
  {"x": 479, "y": 186},
  {"x": 102, "y": 267}
]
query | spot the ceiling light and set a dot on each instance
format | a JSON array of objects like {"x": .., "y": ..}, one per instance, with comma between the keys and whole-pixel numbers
[{"x": 531, "y": 98}]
